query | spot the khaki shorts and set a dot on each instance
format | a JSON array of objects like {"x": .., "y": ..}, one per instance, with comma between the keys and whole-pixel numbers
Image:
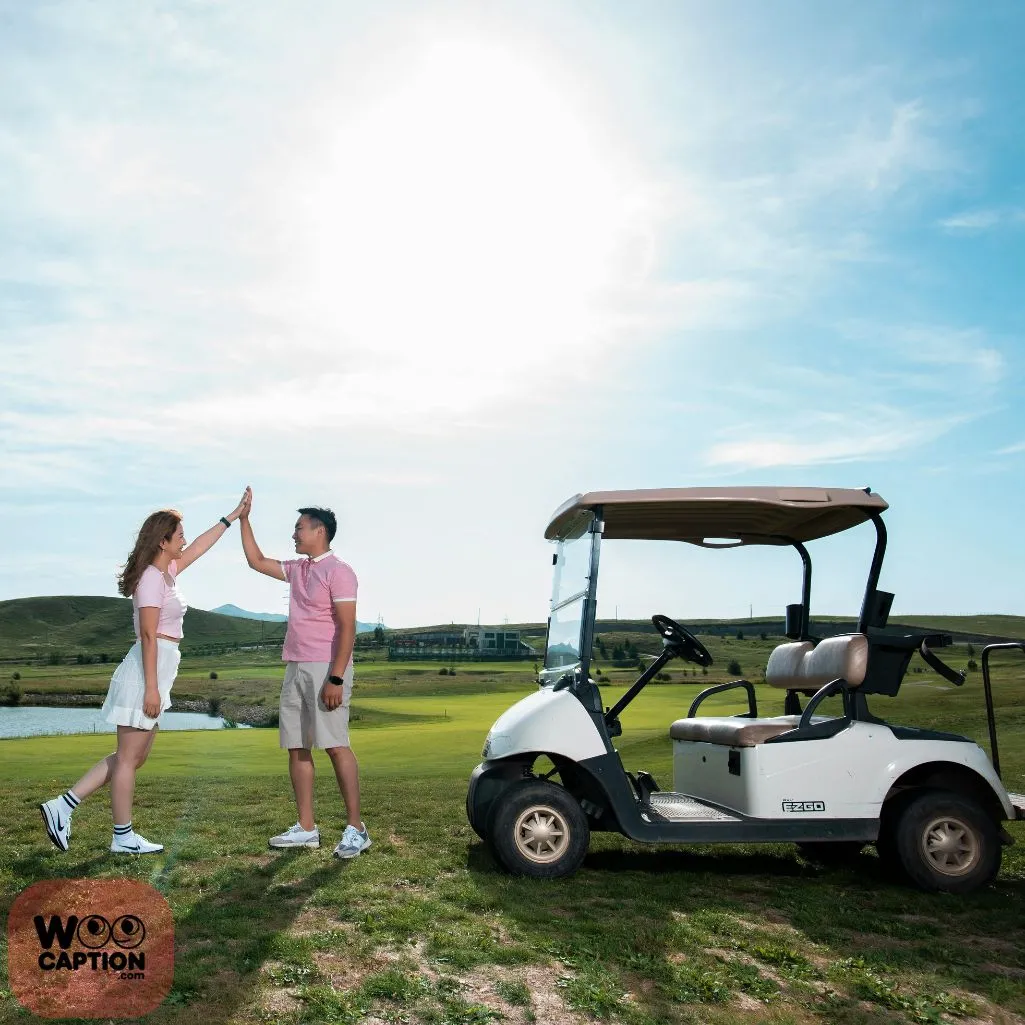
[{"x": 303, "y": 719}]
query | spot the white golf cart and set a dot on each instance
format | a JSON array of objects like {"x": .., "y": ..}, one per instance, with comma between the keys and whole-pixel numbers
[{"x": 931, "y": 802}]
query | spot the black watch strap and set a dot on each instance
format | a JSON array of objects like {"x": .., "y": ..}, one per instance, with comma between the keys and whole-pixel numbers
[{"x": 336, "y": 680}]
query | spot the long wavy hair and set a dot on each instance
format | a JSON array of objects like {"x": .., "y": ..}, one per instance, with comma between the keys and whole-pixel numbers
[{"x": 157, "y": 527}]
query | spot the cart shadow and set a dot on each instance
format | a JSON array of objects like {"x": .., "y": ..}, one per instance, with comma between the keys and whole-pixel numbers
[{"x": 663, "y": 862}]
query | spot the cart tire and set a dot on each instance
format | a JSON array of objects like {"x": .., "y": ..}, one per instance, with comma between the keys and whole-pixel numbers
[
  {"x": 477, "y": 827},
  {"x": 947, "y": 843},
  {"x": 538, "y": 829},
  {"x": 886, "y": 843},
  {"x": 832, "y": 853}
]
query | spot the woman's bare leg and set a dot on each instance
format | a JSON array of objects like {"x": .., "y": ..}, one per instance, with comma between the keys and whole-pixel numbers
[{"x": 133, "y": 746}]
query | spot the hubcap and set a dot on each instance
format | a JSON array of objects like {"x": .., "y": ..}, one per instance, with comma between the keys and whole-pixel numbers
[
  {"x": 542, "y": 834},
  {"x": 950, "y": 846}
]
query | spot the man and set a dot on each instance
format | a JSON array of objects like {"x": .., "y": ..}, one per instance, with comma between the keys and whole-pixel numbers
[{"x": 314, "y": 710}]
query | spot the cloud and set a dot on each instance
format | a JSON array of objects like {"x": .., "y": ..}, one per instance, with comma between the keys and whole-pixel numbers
[
  {"x": 976, "y": 221},
  {"x": 823, "y": 440},
  {"x": 1011, "y": 450}
]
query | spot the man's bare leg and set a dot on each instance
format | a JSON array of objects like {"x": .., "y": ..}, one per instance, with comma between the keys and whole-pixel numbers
[
  {"x": 347, "y": 774},
  {"x": 301, "y": 772}
]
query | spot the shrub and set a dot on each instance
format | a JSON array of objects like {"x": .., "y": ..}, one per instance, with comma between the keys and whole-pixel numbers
[
  {"x": 213, "y": 676},
  {"x": 443, "y": 671},
  {"x": 15, "y": 675},
  {"x": 740, "y": 635},
  {"x": 451, "y": 670},
  {"x": 764, "y": 636},
  {"x": 972, "y": 665},
  {"x": 11, "y": 696},
  {"x": 213, "y": 706},
  {"x": 734, "y": 668}
]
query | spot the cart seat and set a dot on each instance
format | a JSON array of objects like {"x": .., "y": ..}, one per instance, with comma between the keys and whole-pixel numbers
[
  {"x": 732, "y": 731},
  {"x": 802, "y": 665}
]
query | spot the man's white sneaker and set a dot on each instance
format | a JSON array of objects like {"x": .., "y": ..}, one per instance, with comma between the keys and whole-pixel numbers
[
  {"x": 57, "y": 819},
  {"x": 296, "y": 836},
  {"x": 353, "y": 842},
  {"x": 133, "y": 843}
]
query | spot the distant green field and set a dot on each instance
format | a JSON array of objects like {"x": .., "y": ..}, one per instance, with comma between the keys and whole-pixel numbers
[{"x": 424, "y": 928}]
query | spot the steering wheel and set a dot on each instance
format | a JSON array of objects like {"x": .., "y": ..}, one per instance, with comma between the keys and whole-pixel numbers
[{"x": 681, "y": 640}]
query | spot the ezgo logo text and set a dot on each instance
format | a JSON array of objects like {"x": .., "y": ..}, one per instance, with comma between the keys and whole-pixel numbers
[{"x": 90, "y": 948}]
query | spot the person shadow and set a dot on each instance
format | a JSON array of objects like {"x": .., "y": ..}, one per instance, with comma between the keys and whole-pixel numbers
[{"x": 223, "y": 939}]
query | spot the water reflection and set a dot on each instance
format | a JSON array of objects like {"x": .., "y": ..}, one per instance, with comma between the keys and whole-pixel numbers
[{"x": 33, "y": 722}]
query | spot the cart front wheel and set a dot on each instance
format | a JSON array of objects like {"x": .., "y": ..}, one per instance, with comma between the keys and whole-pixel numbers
[
  {"x": 538, "y": 829},
  {"x": 947, "y": 843}
]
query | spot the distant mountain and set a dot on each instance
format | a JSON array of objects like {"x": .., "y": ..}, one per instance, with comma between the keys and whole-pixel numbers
[
  {"x": 234, "y": 610},
  {"x": 274, "y": 617}
]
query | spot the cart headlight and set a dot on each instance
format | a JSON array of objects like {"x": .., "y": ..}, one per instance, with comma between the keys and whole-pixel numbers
[{"x": 495, "y": 745}]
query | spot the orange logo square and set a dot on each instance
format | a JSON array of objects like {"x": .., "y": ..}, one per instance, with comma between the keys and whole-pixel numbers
[{"x": 90, "y": 948}]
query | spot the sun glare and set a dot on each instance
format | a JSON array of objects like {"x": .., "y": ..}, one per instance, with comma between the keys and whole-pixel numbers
[{"x": 474, "y": 213}]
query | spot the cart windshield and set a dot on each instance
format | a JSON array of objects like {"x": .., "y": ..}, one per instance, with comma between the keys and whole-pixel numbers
[{"x": 572, "y": 566}]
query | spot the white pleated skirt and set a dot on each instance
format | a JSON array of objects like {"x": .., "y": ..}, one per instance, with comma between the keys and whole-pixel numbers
[{"x": 123, "y": 704}]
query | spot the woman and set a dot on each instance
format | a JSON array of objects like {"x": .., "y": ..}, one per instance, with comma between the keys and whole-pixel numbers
[{"x": 140, "y": 688}]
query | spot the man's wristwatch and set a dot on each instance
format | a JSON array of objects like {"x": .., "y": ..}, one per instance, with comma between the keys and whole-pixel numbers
[{"x": 336, "y": 680}]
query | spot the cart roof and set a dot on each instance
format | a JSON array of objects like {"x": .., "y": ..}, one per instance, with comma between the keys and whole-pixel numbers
[{"x": 745, "y": 515}]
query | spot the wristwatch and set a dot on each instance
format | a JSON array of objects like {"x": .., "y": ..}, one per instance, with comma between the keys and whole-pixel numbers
[{"x": 336, "y": 680}]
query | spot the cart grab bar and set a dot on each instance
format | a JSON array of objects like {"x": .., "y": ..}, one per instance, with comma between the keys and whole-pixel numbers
[
  {"x": 954, "y": 676},
  {"x": 988, "y": 690},
  {"x": 837, "y": 686},
  {"x": 752, "y": 701}
]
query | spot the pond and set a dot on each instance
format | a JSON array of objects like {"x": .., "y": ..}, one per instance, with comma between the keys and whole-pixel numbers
[{"x": 33, "y": 722}]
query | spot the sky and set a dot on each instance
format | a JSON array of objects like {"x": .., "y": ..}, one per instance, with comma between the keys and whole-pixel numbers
[{"x": 442, "y": 265}]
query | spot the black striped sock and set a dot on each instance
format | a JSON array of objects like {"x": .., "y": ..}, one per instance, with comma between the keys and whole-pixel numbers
[
  {"x": 71, "y": 800},
  {"x": 124, "y": 830}
]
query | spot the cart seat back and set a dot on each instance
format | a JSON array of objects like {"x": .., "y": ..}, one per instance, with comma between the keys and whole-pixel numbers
[{"x": 807, "y": 667}]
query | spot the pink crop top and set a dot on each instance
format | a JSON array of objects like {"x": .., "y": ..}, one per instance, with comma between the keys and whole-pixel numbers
[{"x": 153, "y": 591}]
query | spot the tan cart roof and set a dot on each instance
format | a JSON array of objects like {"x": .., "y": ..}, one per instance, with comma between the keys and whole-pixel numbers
[{"x": 749, "y": 515}]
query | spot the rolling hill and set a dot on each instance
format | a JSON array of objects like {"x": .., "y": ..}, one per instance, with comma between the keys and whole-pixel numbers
[{"x": 67, "y": 626}]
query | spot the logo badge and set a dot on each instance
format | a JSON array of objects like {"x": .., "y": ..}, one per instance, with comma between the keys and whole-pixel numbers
[{"x": 90, "y": 948}]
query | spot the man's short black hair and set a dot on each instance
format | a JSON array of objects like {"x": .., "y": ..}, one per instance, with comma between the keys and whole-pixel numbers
[{"x": 324, "y": 517}]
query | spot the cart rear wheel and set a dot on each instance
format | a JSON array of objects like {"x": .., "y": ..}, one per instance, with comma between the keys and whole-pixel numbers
[
  {"x": 538, "y": 829},
  {"x": 947, "y": 843}
]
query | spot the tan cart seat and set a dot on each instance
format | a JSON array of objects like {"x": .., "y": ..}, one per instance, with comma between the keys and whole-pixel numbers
[
  {"x": 731, "y": 731},
  {"x": 796, "y": 666}
]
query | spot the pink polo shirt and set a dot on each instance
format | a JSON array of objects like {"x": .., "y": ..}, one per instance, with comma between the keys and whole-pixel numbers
[
  {"x": 314, "y": 587},
  {"x": 153, "y": 591}
]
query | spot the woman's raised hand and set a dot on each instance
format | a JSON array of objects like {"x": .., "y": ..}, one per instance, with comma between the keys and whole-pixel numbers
[{"x": 243, "y": 507}]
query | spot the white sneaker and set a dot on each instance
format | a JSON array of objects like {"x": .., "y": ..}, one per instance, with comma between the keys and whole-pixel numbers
[
  {"x": 57, "y": 819},
  {"x": 133, "y": 843},
  {"x": 296, "y": 836},
  {"x": 353, "y": 842}
]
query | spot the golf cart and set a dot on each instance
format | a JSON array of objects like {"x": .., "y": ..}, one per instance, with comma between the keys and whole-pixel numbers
[{"x": 931, "y": 802}]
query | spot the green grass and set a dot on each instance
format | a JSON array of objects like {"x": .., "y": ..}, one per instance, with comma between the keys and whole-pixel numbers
[{"x": 425, "y": 928}]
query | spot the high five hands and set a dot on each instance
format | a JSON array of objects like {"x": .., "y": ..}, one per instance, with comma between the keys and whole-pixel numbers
[{"x": 241, "y": 511}]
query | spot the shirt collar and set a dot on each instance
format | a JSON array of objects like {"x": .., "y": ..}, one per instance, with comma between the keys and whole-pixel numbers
[{"x": 323, "y": 555}]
